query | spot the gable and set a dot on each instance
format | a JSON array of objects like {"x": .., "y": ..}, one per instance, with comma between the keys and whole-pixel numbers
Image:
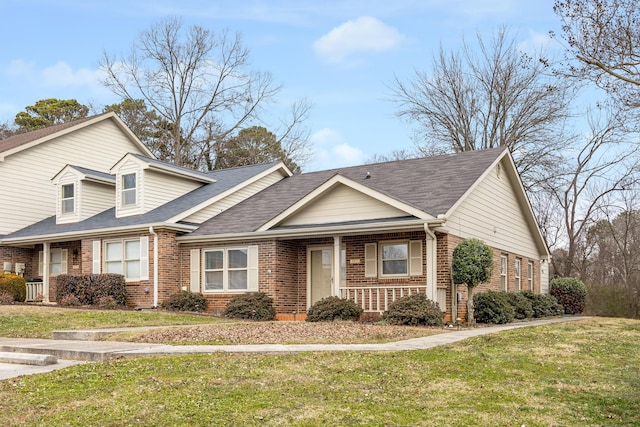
[
  {"x": 341, "y": 204},
  {"x": 496, "y": 212}
]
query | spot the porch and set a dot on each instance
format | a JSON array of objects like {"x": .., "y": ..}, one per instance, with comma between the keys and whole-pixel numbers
[{"x": 377, "y": 299}]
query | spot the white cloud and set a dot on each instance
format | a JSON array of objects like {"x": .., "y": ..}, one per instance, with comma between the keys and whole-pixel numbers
[
  {"x": 536, "y": 42},
  {"x": 365, "y": 34},
  {"x": 331, "y": 151},
  {"x": 62, "y": 75}
]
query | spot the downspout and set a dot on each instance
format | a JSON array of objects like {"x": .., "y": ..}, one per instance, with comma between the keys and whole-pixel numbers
[{"x": 155, "y": 266}]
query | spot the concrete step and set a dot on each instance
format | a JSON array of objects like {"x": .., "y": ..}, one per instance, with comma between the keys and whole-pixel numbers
[{"x": 28, "y": 358}]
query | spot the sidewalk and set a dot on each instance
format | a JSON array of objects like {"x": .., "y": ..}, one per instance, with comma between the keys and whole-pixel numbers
[{"x": 95, "y": 351}]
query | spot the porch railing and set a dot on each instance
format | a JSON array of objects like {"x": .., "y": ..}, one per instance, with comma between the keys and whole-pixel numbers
[
  {"x": 34, "y": 291},
  {"x": 378, "y": 299}
]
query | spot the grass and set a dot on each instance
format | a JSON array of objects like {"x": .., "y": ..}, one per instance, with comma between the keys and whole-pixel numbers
[
  {"x": 581, "y": 373},
  {"x": 19, "y": 321}
]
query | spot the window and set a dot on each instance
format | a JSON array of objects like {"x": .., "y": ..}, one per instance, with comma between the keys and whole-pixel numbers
[
  {"x": 226, "y": 270},
  {"x": 503, "y": 272},
  {"x": 394, "y": 259},
  {"x": 68, "y": 198},
  {"x": 129, "y": 189},
  {"x": 124, "y": 257},
  {"x": 57, "y": 262},
  {"x": 530, "y": 275},
  {"x": 517, "y": 271}
]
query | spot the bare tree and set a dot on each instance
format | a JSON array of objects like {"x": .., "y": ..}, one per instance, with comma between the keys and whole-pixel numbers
[
  {"x": 500, "y": 96},
  {"x": 604, "y": 37},
  {"x": 603, "y": 167},
  {"x": 198, "y": 82}
]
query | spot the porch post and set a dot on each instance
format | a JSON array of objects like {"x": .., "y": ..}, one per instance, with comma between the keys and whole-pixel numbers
[
  {"x": 431, "y": 245},
  {"x": 45, "y": 271},
  {"x": 336, "y": 265}
]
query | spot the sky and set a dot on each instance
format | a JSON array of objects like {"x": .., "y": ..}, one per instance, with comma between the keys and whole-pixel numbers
[{"x": 342, "y": 56}]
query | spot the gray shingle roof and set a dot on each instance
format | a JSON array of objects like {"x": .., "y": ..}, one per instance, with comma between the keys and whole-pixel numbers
[
  {"x": 102, "y": 176},
  {"x": 226, "y": 179},
  {"x": 431, "y": 184},
  {"x": 179, "y": 169}
]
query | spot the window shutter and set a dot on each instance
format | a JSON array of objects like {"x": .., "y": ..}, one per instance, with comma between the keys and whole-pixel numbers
[
  {"x": 370, "y": 260},
  {"x": 144, "y": 258},
  {"x": 95, "y": 257},
  {"x": 63, "y": 261},
  {"x": 415, "y": 258},
  {"x": 252, "y": 269},
  {"x": 40, "y": 263},
  {"x": 194, "y": 277}
]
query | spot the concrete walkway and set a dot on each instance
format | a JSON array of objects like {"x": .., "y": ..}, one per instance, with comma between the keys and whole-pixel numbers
[{"x": 85, "y": 349}]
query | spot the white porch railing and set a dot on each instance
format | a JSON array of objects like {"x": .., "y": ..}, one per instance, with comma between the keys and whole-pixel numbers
[
  {"x": 34, "y": 291},
  {"x": 378, "y": 298}
]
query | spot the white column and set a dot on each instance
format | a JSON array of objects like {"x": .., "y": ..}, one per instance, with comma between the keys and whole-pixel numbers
[
  {"x": 431, "y": 245},
  {"x": 46, "y": 256},
  {"x": 336, "y": 265}
]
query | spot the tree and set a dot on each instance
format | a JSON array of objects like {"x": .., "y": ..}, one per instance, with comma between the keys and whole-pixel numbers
[
  {"x": 199, "y": 83},
  {"x": 48, "y": 112},
  {"x": 498, "y": 97},
  {"x": 252, "y": 146},
  {"x": 604, "y": 37},
  {"x": 471, "y": 265}
]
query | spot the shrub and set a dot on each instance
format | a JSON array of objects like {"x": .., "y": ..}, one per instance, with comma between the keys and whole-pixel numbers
[
  {"x": 414, "y": 309},
  {"x": 522, "y": 306},
  {"x": 254, "y": 306},
  {"x": 493, "y": 307},
  {"x": 14, "y": 285},
  {"x": 107, "y": 303},
  {"x": 185, "y": 301},
  {"x": 90, "y": 288},
  {"x": 69, "y": 301},
  {"x": 544, "y": 305},
  {"x": 569, "y": 292},
  {"x": 333, "y": 308},
  {"x": 6, "y": 298}
]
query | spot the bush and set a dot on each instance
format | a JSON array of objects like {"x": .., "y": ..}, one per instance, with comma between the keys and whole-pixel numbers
[
  {"x": 69, "y": 301},
  {"x": 569, "y": 292},
  {"x": 253, "y": 306},
  {"x": 185, "y": 301},
  {"x": 522, "y": 306},
  {"x": 544, "y": 305},
  {"x": 333, "y": 308},
  {"x": 6, "y": 298},
  {"x": 14, "y": 285},
  {"x": 493, "y": 307},
  {"x": 89, "y": 289},
  {"x": 414, "y": 309},
  {"x": 107, "y": 303}
]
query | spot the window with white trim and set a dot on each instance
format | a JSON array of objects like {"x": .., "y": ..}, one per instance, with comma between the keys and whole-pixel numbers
[
  {"x": 530, "y": 275},
  {"x": 57, "y": 262},
  {"x": 503, "y": 273},
  {"x": 67, "y": 198},
  {"x": 517, "y": 273},
  {"x": 123, "y": 257},
  {"x": 226, "y": 270},
  {"x": 394, "y": 259},
  {"x": 129, "y": 189}
]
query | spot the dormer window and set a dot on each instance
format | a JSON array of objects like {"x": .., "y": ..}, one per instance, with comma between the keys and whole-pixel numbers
[
  {"x": 129, "y": 189},
  {"x": 68, "y": 198}
]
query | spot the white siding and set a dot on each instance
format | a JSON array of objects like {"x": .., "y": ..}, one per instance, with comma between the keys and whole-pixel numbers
[
  {"x": 159, "y": 188},
  {"x": 492, "y": 213},
  {"x": 343, "y": 203},
  {"x": 29, "y": 196},
  {"x": 95, "y": 198},
  {"x": 234, "y": 198}
]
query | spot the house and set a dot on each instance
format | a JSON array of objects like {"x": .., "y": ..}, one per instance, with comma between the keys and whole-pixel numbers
[{"x": 369, "y": 233}]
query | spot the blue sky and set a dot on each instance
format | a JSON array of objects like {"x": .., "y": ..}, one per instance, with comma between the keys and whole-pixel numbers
[{"x": 341, "y": 55}]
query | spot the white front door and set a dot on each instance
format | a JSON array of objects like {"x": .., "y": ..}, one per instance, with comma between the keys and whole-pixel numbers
[{"x": 319, "y": 274}]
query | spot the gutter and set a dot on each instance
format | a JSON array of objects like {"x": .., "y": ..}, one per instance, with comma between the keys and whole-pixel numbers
[{"x": 155, "y": 266}]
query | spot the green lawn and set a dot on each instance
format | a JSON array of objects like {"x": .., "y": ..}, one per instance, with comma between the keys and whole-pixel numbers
[{"x": 581, "y": 373}]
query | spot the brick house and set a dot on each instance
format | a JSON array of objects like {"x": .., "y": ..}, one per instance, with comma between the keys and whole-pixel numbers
[{"x": 369, "y": 233}]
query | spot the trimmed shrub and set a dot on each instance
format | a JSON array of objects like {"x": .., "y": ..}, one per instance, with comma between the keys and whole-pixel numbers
[
  {"x": 414, "y": 309},
  {"x": 544, "y": 305},
  {"x": 185, "y": 301},
  {"x": 333, "y": 308},
  {"x": 252, "y": 306},
  {"x": 571, "y": 293},
  {"x": 14, "y": 285},
  {"x": 522, "y": 306},
  {"x": 69, "y": 301},
  {"x": 90, "y": 288},
  {"x": 493, "y": 307},
  {"x": 107, "y": 303}
]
